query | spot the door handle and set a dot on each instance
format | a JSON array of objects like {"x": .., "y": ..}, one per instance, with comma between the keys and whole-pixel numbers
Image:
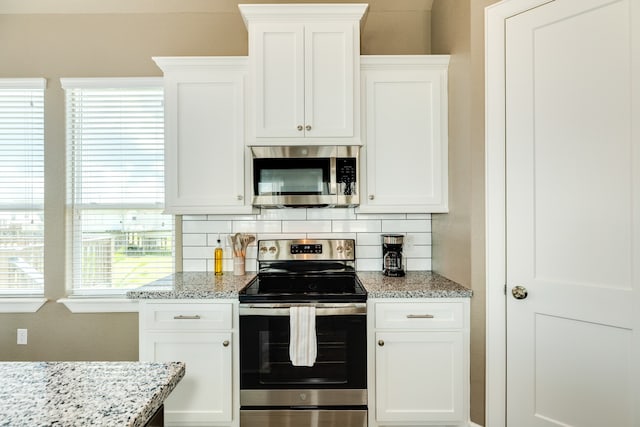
[{"x": 519, "y": 292}]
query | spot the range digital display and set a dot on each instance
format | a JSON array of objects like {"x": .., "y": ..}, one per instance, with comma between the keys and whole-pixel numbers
[{"x": 301, "y": 248}]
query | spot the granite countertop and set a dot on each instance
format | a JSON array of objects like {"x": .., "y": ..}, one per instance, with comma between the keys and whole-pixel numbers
[
  {"x": 193, "y": 286},
  {"x": 415, "y": 284},
  {"x": 84, "y": 393}
]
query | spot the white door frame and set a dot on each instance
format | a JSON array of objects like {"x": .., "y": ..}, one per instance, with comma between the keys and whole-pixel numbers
[
  {"x": 495, "y": 16},
  {"x": 495, "y": 226}
]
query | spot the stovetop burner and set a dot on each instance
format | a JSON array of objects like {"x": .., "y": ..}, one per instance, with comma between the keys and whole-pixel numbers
[
  {"x": 305, "y": 271},
  {"x": 304, "y": 288}
]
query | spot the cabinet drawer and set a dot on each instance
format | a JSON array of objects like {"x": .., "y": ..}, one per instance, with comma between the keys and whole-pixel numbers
[
  {"x": 419, "y": 315},
  {"x": 189, "y": 316}
]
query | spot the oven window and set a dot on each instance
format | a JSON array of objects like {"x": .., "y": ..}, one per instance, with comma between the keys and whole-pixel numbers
[
  {"x": 340, "y": 360},
  {"x": 275, "y": 368},
  {"x": 274, "y": 177}
]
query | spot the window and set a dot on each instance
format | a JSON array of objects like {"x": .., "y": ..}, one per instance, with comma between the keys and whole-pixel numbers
[
  {"x": 119, "y": 237},
  {"x": 21, "y": 186}
]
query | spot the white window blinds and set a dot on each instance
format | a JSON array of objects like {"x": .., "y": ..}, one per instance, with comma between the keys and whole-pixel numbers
[
  {"x": 115, "y": 161},
  {"x": 21, "y": 186}
]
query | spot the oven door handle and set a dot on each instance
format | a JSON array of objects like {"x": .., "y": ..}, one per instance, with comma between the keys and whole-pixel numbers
[{"x": 283, "y": 309}]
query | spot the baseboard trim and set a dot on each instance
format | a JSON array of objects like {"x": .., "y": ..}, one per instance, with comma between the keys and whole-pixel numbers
[{"x": 472, "y": 424}]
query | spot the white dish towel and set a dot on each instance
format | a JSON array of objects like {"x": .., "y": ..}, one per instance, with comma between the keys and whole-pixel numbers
[{"x": 303, "y": 345}]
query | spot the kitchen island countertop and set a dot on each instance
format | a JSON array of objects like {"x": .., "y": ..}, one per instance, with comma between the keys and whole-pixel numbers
[
  {"x": 84, "y": 393},
  {"x": 415, "y": 284}
]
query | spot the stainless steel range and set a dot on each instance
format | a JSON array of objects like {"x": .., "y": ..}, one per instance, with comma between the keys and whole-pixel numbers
[{"x": 303, "y": 358}]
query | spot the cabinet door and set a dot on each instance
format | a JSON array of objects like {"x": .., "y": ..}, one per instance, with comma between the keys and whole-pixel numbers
[
  {"x": 278, "y": 55},
  {"x": 204, "y": 141},
  {"x": 204, "y": 394},
  {"x": 304, "y": 80},
  {"x": 419, "y": 377},
  {"x": 329, "y": 80},
  {"x": 405, "y": 141}
]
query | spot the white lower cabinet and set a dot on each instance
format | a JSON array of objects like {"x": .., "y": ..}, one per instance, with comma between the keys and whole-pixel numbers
[
  {"x": 203, "y": 335},
  {"x": 419, "y": 351}
]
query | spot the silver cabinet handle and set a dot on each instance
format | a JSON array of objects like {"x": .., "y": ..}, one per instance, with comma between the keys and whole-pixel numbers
[
  {"x": 419, "y": 316},
  {"x": 239, "y": 197},
  {"x": 381, "y": 343},
  {"x": 225, "y": 343},
  {"x": 308, "y": 127},
  {"x": 183, "y": 317},
  {"x": 371, "y": 197},
  {"x": 300, "y": 127}
]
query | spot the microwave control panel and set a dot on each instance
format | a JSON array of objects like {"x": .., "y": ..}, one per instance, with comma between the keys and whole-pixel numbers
[{"x": 346, "y": 173}]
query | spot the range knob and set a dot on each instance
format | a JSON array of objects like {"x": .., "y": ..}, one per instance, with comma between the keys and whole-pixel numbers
[
  {"x": 263, "y": 249},
  {"x": 339, "y": 249},
  {"x": 272, "y": 249}
]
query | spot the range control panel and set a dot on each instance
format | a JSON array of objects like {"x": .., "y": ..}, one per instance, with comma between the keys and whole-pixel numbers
[{"x": 307, "y": 249}]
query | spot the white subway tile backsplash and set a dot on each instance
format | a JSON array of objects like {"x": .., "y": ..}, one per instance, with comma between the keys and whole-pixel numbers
[
  {"x": 368, "y": 264},
  {"x": 306, "y": 226},
  {"x": 369, "y": 251},
  {"x": 194, "y": 265},
  {"x": 200, "y": 226},
  {"x": 418, "y": 216},
  {"x": 414, "y": 264},
  {"x": 407, "y": 225},
  {"x": 199, "y": 239},
  {"x": 418, "y": 238},
  {"x": 416, "y": 251},
  {"x": 257, "y": 226},
  {"x": 282, "y": 214},
  {"x": 197, "y": 252},
  {"x": 338, "y": 213},
  {"x": 366, "y": 226},
  {"x": 331, "y": 236},
  {"x": 363, "y": 216},
  {"x": 200, "y": 233},
  {"x": 369, "y": 239}
]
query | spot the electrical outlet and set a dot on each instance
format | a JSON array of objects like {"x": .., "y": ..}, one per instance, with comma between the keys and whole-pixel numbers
[{"x": 22, "y": 336}]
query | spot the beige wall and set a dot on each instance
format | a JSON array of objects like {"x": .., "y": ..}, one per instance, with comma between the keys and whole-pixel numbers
[
  {"x": 458, "y": 252},
  {"x": 106, "y": 43}
]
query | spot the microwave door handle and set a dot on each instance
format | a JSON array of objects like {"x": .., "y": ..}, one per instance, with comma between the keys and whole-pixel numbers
[{"x": 333, "y": 185}]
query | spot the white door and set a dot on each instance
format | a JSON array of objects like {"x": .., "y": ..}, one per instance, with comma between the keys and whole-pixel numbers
[{"x": 573, "y": 224}]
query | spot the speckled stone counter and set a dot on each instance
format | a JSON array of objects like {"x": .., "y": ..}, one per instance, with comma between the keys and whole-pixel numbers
[
  {"x": 70, "y": 394},
  {"x": 415, "y": 284},
  {"x": 193, "y": 286}
]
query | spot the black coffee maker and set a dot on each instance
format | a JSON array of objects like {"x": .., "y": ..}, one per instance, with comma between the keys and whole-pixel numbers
[{"x": 392, "y": 262}]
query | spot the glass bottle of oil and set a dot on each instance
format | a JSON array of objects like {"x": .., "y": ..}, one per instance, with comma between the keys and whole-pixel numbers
[{"x": 217, "y": 255}]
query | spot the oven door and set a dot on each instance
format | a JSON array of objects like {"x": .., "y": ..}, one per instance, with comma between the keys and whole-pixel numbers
[{"x": 339, "y": 375}]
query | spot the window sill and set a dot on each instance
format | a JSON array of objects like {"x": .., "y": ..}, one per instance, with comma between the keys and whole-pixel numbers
[
  {"x": 100, "y": 305},
  {"x": 21, "y": 305}
]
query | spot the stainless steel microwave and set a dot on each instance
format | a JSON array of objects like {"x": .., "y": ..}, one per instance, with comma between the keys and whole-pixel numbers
[{"x": 305, "y": 176}]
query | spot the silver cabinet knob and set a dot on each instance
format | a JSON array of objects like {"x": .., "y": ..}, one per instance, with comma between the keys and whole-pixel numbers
[
  {"x": 308, "y": 127},
  {"x": 300, "y": 127},
  {"x": 371, "y": 197},
  {"x": 225, "y": 343},
  {"x": 519, "y": 292},
  {"x": 381, "y": 343},
  {"x": 239, "y": 197}
]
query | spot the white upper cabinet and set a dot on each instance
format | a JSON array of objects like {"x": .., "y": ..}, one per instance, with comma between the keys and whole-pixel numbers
[
  {"x": 304, "y": 73},
  {"x": 204, "y": 134},
  {"x": 405, "y": 153}
]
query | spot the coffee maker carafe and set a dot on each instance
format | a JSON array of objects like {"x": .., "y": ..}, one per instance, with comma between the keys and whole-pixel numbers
[{"x": 392, "y": 262}]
